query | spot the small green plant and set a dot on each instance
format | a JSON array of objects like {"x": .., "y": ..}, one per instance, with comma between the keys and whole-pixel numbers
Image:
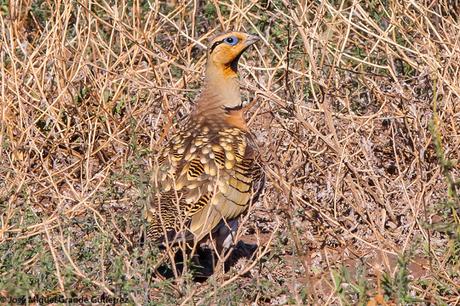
[
  {"x": 352, "y": 289},
  {"x": 26, "y": 264},
  {"x": 397, "y": 288}
]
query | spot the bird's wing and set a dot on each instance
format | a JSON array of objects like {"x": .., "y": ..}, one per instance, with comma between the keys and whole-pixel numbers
[{"x": 203, "y": 179}]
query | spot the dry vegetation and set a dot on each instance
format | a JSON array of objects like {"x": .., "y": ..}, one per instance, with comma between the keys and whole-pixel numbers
[{"x": 357, "y": 115}]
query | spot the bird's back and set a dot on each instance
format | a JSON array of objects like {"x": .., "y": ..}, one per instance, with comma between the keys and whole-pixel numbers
[{"x": 209, "y": 172}]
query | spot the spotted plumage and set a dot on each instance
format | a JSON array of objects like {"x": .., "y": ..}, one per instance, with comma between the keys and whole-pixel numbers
[{"x": 209, "y": 172}]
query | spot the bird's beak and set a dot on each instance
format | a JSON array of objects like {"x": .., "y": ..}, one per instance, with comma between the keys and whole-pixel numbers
[{"x": 252, "y": 39}]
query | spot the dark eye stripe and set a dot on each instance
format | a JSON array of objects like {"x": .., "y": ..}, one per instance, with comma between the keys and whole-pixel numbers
[
  {"x": 232, "y": 40},
  {"x": 214, "y": 45}
]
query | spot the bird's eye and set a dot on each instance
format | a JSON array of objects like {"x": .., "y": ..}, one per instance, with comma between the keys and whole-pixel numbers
[{"x": 232, "y": 40}]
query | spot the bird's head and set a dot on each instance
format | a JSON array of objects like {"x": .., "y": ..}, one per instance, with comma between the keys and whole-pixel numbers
[
  {"x": 225, "y": 51},
  {"x": 221, "y": 92}
]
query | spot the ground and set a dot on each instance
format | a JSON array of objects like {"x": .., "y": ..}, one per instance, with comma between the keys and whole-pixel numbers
[{"x": 356, "y": 114}]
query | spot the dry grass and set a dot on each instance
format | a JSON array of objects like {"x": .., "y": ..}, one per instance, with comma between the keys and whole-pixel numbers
[{"x": 357, "y": 116}]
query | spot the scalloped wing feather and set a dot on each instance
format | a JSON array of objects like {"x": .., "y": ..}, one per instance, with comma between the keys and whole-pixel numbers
[{"x": 203, "y": 177}]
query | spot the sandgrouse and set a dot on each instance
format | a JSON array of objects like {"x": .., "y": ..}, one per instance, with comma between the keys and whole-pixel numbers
[{"x": 209, "y": 173}]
